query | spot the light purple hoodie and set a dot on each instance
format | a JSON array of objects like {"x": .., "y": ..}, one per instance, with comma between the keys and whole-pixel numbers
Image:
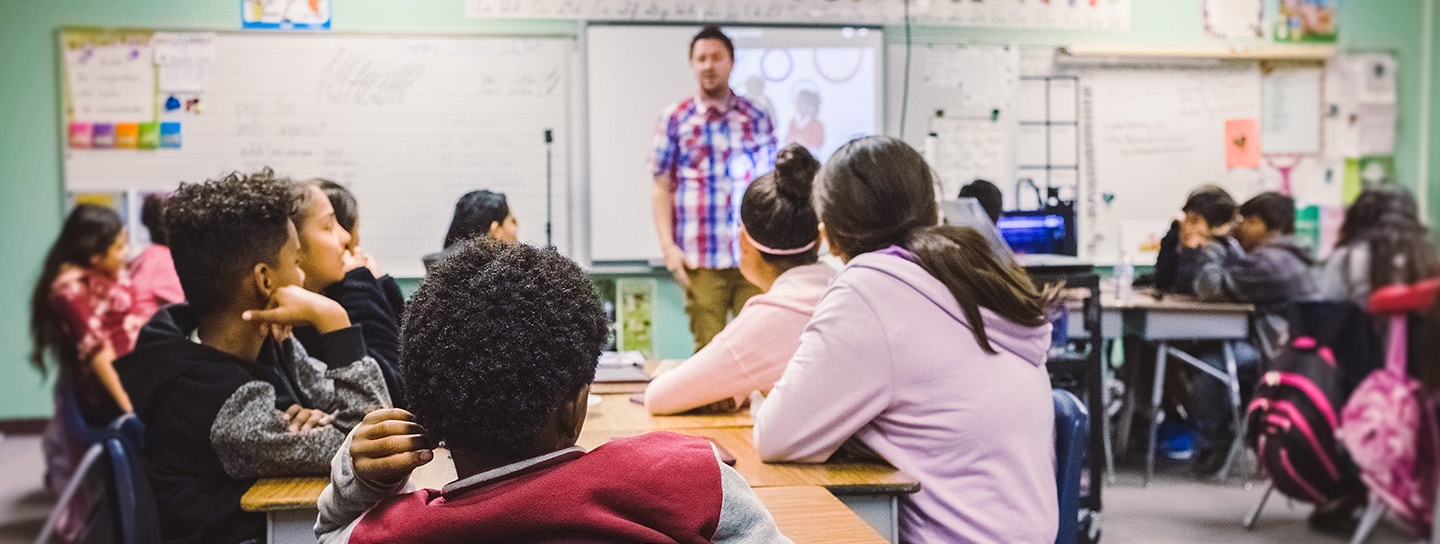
[{"x": 889, "y": 358}]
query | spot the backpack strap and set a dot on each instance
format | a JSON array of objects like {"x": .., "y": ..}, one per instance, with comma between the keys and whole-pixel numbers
[{"x": 1396, "y": 351}]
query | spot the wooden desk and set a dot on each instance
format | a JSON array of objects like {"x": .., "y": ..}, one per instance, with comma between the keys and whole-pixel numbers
[
  {"x": 812, "y": 514},
  {"x": 1174, "y": 317},
  {"x": 616, "y": 412},
  {"x": 803, "y": 513},
  {"x": 871, "y": 490}
]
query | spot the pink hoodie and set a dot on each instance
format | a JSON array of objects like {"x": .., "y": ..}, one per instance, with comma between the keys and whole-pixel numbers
[
  {"x": 889, "y": 359},
  {"x": 751, "y": 352}
]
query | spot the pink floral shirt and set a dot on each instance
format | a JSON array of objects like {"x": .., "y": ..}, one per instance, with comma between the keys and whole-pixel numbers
[{"x": 96, "y": 310}]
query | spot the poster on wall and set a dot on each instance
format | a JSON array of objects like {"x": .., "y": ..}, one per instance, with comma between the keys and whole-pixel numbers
[
  {"x": 109, "y": 90},
  {"x": 1234, "y": 19},
  {"x": 1309, "y": 21},
  {"x": 285, "y": 14}
]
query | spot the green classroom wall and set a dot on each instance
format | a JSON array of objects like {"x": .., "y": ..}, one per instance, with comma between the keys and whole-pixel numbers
[{"x": 31, "y": 199}]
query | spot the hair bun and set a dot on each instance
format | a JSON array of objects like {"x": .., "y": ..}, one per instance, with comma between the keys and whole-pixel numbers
[{"x": 795, "y": 170}]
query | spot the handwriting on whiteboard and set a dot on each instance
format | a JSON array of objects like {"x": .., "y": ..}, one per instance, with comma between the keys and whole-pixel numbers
[{"x": 1089, "y": 15}]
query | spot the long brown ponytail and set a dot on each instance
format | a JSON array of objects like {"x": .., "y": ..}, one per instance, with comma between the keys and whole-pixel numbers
[{"x": 877, "y": 192}]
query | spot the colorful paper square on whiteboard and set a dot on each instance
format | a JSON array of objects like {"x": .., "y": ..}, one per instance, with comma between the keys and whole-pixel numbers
[
  {"x": 127, "y": 136},
  {"x": 1242, "y": 143},
  {"x": 170, "y": 135},
  {"x": 81, "y": 135},
  {"x": 149, "y": 137},
  {"x": 104, "y": 136}
]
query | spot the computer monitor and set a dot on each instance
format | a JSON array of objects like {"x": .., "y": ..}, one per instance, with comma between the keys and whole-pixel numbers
[{"x": 1049, "y": 231}]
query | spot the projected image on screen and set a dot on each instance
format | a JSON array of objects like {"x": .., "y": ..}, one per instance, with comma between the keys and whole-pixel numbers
[{"x": 819, "y": 97}]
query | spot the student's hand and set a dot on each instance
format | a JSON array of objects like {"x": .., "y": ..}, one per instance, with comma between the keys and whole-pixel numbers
[
  {"x": 675, "y": 262},
  {"x": 357, "y": 258},
  {"x": 304, "y": 420},
  {"x": 1193, "y": 232},
  {"x": 388, "y": 445},
  {"x": 293, "y": 305}
]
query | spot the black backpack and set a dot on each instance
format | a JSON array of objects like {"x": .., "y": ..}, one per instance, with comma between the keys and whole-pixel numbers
[
  {"x": 1291, "y": 425},
  {"x": 1296, "y": 408}
]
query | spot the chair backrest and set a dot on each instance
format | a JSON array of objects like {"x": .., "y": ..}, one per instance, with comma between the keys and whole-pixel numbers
[
  {"x": 139, "y": 518},
  {"x": 1072, "y": 432},
  {"x": 108, "y": 500}
]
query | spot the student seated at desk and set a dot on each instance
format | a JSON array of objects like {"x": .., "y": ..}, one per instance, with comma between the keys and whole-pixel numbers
[
  {"x": 1382, "y": 242},
  {"x": 226, "y": 396},
  {"x": 478, "y": 213},
  {"x": 927, "y": 350},
  {"x": 336, "y": 267},
  {"x": 508, "y": 397},
  {"x": 83, "y": 315},
  {"x": 152, "y": 272},
  {"x": 1261, "y": 265},
  {"x": 779, "y": 252},
  {"x": 1209, "y": 213}
]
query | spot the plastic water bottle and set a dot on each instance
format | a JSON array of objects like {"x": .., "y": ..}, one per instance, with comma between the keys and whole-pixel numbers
[{"x": 1125, "y": 278}]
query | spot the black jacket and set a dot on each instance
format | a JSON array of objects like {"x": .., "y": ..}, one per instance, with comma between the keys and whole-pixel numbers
[
  {"x": 376, "y": 306},
  {"x": 213, "y": 421}
]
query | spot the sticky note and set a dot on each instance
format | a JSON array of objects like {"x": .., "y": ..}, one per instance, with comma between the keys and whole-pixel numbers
[
  {"x": 81, "y": 135},
  {"x": 127, "y": 136},
  {"x": 149, "y": 136},
  {"x": 1242, "y": 143},
  {"x": 104, "y": 136},
  {"x": 170, "y": 135}
]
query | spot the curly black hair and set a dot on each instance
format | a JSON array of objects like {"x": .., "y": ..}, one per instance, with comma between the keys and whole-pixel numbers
[
  {"x": 497, "y": 337},
  {"x": 219, "y": 229}
]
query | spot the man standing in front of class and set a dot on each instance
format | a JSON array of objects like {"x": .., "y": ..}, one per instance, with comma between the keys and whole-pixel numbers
[{"x": 708, "y": 148}]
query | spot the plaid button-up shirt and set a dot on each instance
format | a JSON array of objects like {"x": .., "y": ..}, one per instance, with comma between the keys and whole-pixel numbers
[{"x": 711, "y": 152}]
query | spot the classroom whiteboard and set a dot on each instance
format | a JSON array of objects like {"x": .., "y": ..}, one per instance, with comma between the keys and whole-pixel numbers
[
  {"x": 634, "y": 72},
  {"x": 408, "y": 123},
  {"x": 1153, "y": 135}
]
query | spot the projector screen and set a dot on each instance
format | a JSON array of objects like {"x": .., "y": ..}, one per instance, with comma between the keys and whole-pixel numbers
[{"x": 821, "y": 85}]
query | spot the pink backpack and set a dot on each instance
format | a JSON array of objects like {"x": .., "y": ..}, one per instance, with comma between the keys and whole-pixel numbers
[{"x": 1389, "y": 428}]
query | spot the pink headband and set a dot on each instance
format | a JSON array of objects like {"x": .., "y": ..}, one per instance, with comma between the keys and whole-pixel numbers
[{"x": 795, "y": 251}]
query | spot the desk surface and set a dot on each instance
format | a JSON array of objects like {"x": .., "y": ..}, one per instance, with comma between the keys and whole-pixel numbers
[
  {"x": 812, "y": 514},
  {"x": 1143, "y": 300},
  {"x": 616, "y": 412},
  {"x": 841, "y": 478},
  {"x": 803, "y": 513}
]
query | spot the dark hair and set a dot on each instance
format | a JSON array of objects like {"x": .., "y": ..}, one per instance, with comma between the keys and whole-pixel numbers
[
  {"x": 777, "y": 211},
  {"x": 1277, "y": 211},
  {"x": 989, "y": 196},
  {"x": 878, "y": 192},
  {"x": 347, "y": 210},
  {"x": 88, "y": 231},
  {"x": 474, "y": 213},
  {"x": 1212, "y": 203},
  {"x": 1387, "y": 218},
  {"x": 152, "y": 217},
  {"x": 220, "y": 228},
  {"x": 712, "y": 32},
  {"x": 497, "y": 336}
]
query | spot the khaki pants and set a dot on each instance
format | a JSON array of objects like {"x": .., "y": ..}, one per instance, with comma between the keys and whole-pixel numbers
[{"x": 714, "y": 293}]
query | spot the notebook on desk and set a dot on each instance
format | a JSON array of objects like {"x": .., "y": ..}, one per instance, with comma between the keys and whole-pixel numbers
[{"x": 621, "y": 367}]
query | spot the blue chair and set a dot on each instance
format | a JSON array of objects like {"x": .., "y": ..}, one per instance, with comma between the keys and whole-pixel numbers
[
  {"x": 1072, "y": 439},
  {"x": 109, "y": 499}
]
